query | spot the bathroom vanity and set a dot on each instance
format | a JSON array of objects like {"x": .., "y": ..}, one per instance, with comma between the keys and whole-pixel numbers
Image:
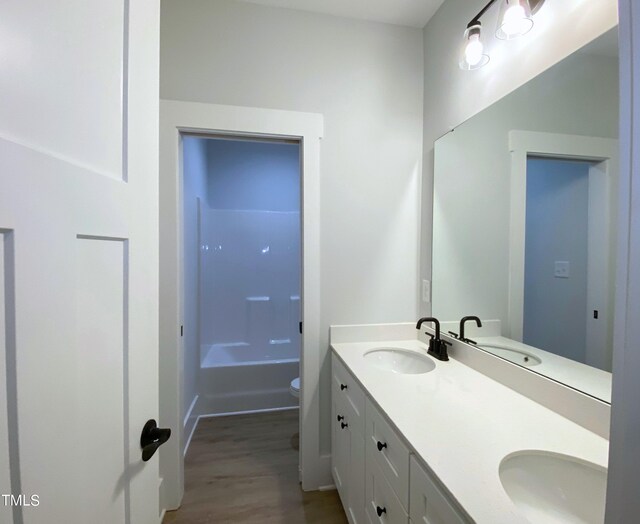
[{"x": 417, "y": 440}]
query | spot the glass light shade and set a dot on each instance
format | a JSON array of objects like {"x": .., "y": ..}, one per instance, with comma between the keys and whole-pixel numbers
[
  {"x": 515, "y": 19},
  {"x": 472, "y": 55}
]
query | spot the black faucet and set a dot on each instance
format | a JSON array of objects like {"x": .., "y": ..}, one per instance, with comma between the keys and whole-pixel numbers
[
  {"x": 437, "y": 346},
  {"x": 461, "y": 336}
]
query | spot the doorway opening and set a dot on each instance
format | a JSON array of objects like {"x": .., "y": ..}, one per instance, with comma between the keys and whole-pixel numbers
[
  {"x": 566, "y": 259},
  {"x": 591, "y": 162},
  {"x": 180, "y": 121},
  {"x": 241, "y": 273}
]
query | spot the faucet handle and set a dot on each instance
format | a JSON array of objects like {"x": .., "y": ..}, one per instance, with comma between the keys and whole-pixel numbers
[
  {"x": 454, "y": 335},
  {"x": 430, "y": 335},
  {"x": 447, "y": 342}
]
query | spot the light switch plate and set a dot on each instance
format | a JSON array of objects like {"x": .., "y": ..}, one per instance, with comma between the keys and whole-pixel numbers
[
  {"x": 561, "y": 269},
  {"x": 426, "y": 291}
]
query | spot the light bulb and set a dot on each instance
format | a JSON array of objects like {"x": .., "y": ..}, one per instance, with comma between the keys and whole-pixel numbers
[
  {"x": 473, "y": 51},
  {"x": 515, "y": 20},
  {"x": 472, "y": 55}
]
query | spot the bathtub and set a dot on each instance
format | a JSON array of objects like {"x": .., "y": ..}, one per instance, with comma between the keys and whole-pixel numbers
[{"x": 239, "y": 377}]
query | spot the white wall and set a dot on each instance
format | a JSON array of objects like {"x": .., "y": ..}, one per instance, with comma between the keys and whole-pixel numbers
[
  {"x": 471, "y": 235},
  {"x": 195, "y": 187},
  {"x": 453, "y": 95},
  {"x": 248, "y": 175},
  {"x": 366, "y": 79},
  {"x": 557, "y": 221}
]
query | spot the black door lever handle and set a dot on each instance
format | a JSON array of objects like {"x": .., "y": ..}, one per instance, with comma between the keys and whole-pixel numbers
[{"x": 152, "y": 438}]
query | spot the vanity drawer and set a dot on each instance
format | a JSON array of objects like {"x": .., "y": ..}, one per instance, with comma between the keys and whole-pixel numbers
[
  {"x": 389, "y": 451},
  {"x": 345, "y": 388},
  {"x": 380, "y": 496},
  {"x": 428, "y": 504}
]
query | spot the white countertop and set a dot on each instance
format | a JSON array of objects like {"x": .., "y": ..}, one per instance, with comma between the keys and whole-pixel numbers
[{"x": 462, "y": 424}]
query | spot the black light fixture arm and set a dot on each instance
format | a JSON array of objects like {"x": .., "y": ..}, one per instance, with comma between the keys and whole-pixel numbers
[
  {"x": 535, "y": 6},
  {"x": 476, "y": 19}
]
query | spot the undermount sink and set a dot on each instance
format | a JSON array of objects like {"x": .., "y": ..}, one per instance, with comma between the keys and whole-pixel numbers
[
  {"x": 401, "y": 361},
  {"x": 551, "y": 488},
  {"x": 513, "y": 355}
]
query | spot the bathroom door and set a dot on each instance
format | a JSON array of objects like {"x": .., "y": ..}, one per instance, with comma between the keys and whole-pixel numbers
[{"x": 78, "y": 260}]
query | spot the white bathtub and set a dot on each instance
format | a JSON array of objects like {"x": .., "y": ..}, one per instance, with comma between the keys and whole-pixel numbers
[{"x": 238, "y": 377}]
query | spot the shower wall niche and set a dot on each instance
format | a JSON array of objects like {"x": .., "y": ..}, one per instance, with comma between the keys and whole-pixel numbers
[{"x": 247, "y": 236}]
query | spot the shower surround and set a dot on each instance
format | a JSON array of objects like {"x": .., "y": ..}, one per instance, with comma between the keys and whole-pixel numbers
[{"x": 249, "y": 274}]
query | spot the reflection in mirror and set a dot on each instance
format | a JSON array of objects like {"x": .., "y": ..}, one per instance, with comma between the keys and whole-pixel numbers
[{"x": 524, "y": 221}]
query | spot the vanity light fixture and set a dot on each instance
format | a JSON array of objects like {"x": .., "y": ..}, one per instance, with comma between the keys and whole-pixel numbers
[
  {"x": 515, "y": 19},
  {"x": 472, "y": 55}
]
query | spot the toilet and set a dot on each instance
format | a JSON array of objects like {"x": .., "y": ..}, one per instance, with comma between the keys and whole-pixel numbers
[{"x": 294, "y": 388}]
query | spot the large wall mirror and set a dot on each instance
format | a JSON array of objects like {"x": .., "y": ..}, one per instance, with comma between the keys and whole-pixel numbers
[{"x": 525, "y": 213}]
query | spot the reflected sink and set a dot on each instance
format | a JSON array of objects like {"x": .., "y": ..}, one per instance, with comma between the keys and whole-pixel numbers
[
  {"x": 399, "y": 361},
  {"x": 552, "y": 488},
  {"x": 513, "y": 355}
]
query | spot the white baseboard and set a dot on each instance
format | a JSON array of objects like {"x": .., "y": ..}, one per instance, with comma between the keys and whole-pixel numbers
[
  {"x": 190, "y": 423},
  {"x": 250, "y": 412}
]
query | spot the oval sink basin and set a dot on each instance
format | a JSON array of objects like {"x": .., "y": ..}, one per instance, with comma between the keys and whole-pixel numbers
[
  {"x": 551, "y": 488},
  {"x": 513, "y": 355},
  {"x": 399, "y": 361}
]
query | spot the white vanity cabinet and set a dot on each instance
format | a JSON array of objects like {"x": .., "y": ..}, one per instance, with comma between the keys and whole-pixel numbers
[{"x": 379, "y": 479}]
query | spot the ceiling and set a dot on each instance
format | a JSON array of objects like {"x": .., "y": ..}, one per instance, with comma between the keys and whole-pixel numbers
[{"x": 412, "y": 13}]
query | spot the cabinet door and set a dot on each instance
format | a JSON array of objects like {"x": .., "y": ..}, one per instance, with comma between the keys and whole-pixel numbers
[
  {"x": 355, "y": 504},
  {"x": 340, "y": 450}
]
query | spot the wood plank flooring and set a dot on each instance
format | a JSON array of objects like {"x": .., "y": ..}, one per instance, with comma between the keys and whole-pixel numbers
[{"x": 244, "y": 469}]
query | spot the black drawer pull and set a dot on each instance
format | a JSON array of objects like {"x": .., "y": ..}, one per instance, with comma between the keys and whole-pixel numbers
[
  {"x": 344, "y": 425},
  {"x": 343, "y": 387},
  {"x": 380, "y": 511},
  {"x": 340, "y": 417},
  {"x": 381, "y": 446}
]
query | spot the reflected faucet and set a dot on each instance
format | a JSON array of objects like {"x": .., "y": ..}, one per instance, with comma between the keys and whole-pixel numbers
[
  {"x": 437, "y": 346},
  {"x": 461, "y": 336}
]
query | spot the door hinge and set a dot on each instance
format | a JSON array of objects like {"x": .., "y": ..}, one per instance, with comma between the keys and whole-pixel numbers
[
  {"x": 182, "y": 331},
  {"x": 595, "y": 314},
  {"x": 300, "y": 327}
]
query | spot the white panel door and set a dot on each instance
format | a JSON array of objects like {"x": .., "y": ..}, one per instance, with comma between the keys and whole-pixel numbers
[{"x": 78, "y": 260}]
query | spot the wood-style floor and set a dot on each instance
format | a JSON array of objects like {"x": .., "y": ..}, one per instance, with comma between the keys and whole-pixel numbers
[{"x": 244, "y": 468}]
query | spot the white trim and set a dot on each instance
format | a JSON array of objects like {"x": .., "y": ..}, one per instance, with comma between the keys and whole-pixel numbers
[
  {"x": 190, "y": 410},
  {"x": 521, "y": 145},
  {"x": 250, "y": 412},
  {"x": 189, "y": 417},
  {"x": 176, "y": 118},
  {"x": 623, "y": 503}
]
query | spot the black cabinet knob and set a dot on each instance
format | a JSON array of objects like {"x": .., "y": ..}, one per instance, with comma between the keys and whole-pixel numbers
[
  {"x": 340, "y": 417},
  {"x": 380, "y": 511},
  {"x": 344, "y": 425},
  {"x": 343, "y": 387},
  {"x": 381, "y": 446}
]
